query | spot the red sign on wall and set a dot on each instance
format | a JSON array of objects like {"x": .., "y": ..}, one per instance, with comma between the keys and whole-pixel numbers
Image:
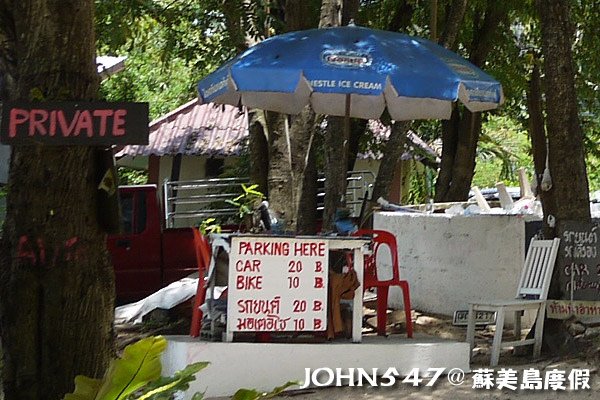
[{"x": 74, "y": 123}]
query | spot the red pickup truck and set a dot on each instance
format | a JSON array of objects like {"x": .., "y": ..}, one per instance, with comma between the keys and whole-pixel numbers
[
  {"x": 150, "y": 253},
  {"x": 145, "y": 256}
]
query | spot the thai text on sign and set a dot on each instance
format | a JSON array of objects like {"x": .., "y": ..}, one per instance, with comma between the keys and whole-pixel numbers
[
  {"x": 564, "y": 309},
  {"x": 75, "y": 123},
  {"x": 579, "y": 261},
  {"x": 277, "y": 284}
]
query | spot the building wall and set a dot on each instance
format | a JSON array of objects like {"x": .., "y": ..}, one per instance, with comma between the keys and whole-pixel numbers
[{"x": 451, "y": 261}]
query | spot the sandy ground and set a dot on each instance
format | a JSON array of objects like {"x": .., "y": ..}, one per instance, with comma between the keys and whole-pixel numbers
[
  {"x": 442, "y": 389},
  {"x": 442, "y": 327}
]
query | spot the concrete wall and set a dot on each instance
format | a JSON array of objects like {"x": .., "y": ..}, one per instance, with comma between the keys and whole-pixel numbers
[{"x": 451, "y": 261}]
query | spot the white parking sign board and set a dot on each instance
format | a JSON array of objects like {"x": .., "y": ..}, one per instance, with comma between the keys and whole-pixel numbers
[{"x": 277, "y": 284}]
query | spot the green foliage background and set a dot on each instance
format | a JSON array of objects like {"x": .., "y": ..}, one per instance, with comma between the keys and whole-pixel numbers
[{"x": 170, "y": 45}]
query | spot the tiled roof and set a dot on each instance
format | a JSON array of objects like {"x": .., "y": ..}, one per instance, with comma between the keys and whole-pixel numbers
[{"x": 194, "y": 129}]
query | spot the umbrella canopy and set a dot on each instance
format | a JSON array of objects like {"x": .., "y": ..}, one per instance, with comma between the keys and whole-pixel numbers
[{"x": 352, "y": 71}]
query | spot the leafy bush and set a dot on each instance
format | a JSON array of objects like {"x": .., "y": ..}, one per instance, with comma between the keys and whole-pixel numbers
[{"x": 137, "y": 376}]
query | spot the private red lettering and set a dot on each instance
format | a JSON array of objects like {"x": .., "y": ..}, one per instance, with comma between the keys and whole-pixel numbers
[
  {"x": 37, "y": 117},
  {"x": 52, "y": 129},
  {"x": 24, "y": 251},
  {"x": 62, "y": 122},
  {"x": 44, "y": 122},
  {"x": 103, "y": 115},
  {"x": 17, "y": 116},
  {"x": 119, "y": 123},
  {"x": 84, "y": 122}
]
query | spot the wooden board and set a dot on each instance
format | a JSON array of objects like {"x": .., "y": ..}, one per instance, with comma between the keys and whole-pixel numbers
[{"x": 578, "y": 261}]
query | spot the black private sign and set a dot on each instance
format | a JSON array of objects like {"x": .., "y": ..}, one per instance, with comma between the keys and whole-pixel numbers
[{"x": 74, "y": 123}]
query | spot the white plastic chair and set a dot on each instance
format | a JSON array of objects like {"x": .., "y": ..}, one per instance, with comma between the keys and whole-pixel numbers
[{"x": 531, "y": 295}]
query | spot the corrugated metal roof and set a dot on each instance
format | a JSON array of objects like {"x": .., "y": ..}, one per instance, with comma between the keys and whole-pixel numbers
[
  {"x": 417, "y": 148},
  {"x": 221, "y": 130},
  {"x": 195, "y": 129}
]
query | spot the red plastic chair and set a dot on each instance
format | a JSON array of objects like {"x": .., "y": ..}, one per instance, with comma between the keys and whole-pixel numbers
[
  {"x": 371, "y": 279},
  {"x": 203, "y": 254}
]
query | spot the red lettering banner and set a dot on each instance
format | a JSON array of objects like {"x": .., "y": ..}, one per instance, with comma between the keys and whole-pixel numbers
[{"x": 74, "y": 123}]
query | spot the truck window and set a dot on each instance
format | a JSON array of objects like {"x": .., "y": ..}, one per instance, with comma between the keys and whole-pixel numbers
[
  {"x": 140, "y": 207},
  {"x": 127, "y": 212}
]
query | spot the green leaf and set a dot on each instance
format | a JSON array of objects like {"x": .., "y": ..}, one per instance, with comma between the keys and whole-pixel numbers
[
  {"x": 252, "y": 394},
  {"x": 279, "y": 389},
  {"x": 165, "y": 387},
  {"x": 246, "y": 394},
  {"x": 139, "y": 365},
  {"x": 85, "y": 388}
]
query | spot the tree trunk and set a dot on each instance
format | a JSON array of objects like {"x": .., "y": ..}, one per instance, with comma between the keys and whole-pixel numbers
[
  {"x": 565, "y": 138},
  {"x": 358, "y": 128},
  {"x": 258, "y": 148},
  {"x": 394, "y": 147},
  {"x": 449, "y": 145},
  {"x": 305, "y": 155},
  {"x": 292, "y": 171},
  {"x": 461, "y": 134},
  {"x": 331, "y": 13},
  {"x": 463, "y": 168},
  {"x": 454, "y": 19},
  {"x": 56, "y": 283},
  {"x": 401, "y": 19},
  {"x": 337, "y": 134},
  {"x": 568, "y": 199},
  {"x": 280, "y": 171},
  {"x": 537, "y": 133},
  {"x": 336, "y": 137}
]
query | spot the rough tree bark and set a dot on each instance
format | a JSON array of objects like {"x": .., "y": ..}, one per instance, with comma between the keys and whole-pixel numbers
[
  {"x": 336, "y": 137},
  {"x": 461, "y": 133},
  {"x": 568, "y": 199},
  {"x": 292, "y": 170},
  {"x": 394, "y": 147},
  {"x": 258, "y": 147},
  {"x": 537, "y": 133},
  {"x": 331, "y": 13},
  {"x": 454, "y": 19},
  {"x": 56, "y": 282},
  {"x": 337, "y": 133},
  {"x": 565, "y": 138}
]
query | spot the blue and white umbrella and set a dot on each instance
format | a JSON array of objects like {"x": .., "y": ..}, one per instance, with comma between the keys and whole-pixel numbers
[{"x": 354, "y": 72}]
